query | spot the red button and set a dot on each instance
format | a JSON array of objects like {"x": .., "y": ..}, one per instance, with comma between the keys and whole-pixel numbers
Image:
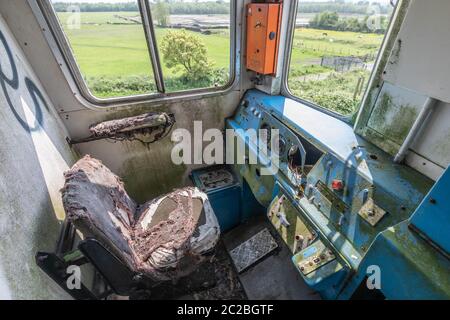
[{"x": 337, "y": 185}]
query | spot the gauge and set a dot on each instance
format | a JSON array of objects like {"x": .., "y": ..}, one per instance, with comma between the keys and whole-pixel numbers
[{"x": 280, "y": 149}]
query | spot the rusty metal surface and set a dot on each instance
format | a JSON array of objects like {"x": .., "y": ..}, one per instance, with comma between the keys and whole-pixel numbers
[
  {"x": 371, "y": 212},
  {"x": 296, "y": 234},
  {"x": 216, "y": 179},
  {"x": 315, "y": 260}
]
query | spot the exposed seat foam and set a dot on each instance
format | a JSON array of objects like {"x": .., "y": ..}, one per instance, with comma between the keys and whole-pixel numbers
[{"x": 165, "y": 239}]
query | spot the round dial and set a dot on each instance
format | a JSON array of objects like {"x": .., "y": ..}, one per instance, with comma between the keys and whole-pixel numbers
[{"x": 281, "y": 145}]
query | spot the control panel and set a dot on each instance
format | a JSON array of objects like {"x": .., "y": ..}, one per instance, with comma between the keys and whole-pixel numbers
[
  {"x": 277, "y": 144},
  {"x": 334, "y": 192},
  {"x": 283, "y": 148},
  {"x": 355, "y": 205},
  {"x": 213, "y": 180},
  {"x": 288, "y": 221},
  {"x": 317, "y": 263},
  {"x": 314, "y": 258}
]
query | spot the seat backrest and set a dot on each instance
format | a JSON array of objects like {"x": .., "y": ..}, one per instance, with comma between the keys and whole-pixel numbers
[{"x": 97, "y": 204}]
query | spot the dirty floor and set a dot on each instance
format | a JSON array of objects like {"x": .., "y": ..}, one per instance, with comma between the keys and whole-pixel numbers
[{"x": 273, "y": 277}]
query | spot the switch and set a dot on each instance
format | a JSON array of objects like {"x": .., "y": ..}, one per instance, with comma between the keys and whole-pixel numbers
[
  {"x": 283, "y": 220},
  {"x": 337, "y": 185}
]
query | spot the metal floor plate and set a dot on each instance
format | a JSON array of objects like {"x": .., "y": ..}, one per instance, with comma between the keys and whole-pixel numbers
[{"x": 253, "y": 250}]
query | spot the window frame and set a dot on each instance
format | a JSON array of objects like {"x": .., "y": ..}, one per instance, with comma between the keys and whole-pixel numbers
[
  {"x": 288, "y": 56},
  {"x": 62, "y": 47}
]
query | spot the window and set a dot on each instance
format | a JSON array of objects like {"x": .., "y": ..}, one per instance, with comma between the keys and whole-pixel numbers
[
  {"x": 109, "y": 46},
  {"x": 193, "y": 40},
  {"x": 119, "y": 54},
  {"x": 334, "y": 51}
]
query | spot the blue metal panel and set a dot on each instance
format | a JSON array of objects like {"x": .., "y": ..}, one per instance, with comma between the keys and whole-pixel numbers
[
  {"x": 432, "y": 218},
  {"x": 232, "y": 204},
  {"x": 226, "y": 205},
  {"x": 324, "y": 131},
  {"x": 397, "y": 189}
]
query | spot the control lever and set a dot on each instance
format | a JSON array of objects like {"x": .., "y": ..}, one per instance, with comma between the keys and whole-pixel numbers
[{"x": 283, "y": 220}]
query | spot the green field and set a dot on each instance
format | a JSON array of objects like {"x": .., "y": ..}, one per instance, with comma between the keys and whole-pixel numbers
[
  {"x": 113, "y": 57},
  {"x": 123, "y": 48},
  {"x": 311, "y": 44},
  {"x": 336, "y": 91}
]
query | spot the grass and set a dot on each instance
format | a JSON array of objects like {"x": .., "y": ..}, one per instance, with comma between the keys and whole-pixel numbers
[
  {"x": 113, "y": 57},
  {"x": 123, "y": 47},
  {"x": 331, "y": 90},
  {"x": 310, "y": 45},
  {"x": 337, "y": 92}
]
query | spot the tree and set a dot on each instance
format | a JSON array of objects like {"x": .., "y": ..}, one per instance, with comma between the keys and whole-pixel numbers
[
  {"x": 185, "y": 51},
  {"x": 161, "y": 13},
  {"x": 325, "y": 20}
]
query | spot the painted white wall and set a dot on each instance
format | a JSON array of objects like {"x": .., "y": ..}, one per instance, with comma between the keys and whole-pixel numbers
[
  {"x": 422, "y": 57},
  {"x": 418, "y": 66},
  {"x": 33, "y": 157}
]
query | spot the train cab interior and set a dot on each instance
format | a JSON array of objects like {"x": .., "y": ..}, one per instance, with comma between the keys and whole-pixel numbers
[{"x": 224, "y": 150}]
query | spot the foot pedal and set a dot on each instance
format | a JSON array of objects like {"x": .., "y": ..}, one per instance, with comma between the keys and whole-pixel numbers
[{"x": 253, "y": 250}]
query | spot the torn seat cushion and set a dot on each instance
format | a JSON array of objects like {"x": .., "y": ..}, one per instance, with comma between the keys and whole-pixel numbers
[
  {"x": 165, "y": 239},
  {"x": 174, "y": 233}
]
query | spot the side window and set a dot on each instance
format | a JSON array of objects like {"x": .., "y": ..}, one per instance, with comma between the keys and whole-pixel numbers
[
  {"x": 193, "y": 39},
  {"x": 334, "y": 51},
  {"x": 109, "y": 46}
]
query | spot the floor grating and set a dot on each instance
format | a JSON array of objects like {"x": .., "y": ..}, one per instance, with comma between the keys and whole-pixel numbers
[{"x": 253, "y": 250}]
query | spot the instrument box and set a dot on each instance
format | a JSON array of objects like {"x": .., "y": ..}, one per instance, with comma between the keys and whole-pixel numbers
[
  {"x": 263, "y": 36},
  {"x": 224, "y": 193}
]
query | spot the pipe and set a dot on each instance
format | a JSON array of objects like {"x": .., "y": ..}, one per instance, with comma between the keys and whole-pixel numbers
[{"x": 420, "y": 122}]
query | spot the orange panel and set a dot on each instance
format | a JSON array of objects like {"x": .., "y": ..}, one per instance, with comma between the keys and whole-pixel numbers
[{"x": 263, "y": 24}]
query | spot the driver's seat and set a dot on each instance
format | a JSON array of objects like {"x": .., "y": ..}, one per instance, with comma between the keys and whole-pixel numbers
[{"x": 163, "y": 239}]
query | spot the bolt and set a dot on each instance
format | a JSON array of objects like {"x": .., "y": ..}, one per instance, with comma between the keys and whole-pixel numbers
[{"x": 433, "y": 201}]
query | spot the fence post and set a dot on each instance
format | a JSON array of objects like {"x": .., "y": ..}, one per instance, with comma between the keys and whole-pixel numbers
[
  {"x": 357, "y": 88},
  {"x": 363, "y": 79}
]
